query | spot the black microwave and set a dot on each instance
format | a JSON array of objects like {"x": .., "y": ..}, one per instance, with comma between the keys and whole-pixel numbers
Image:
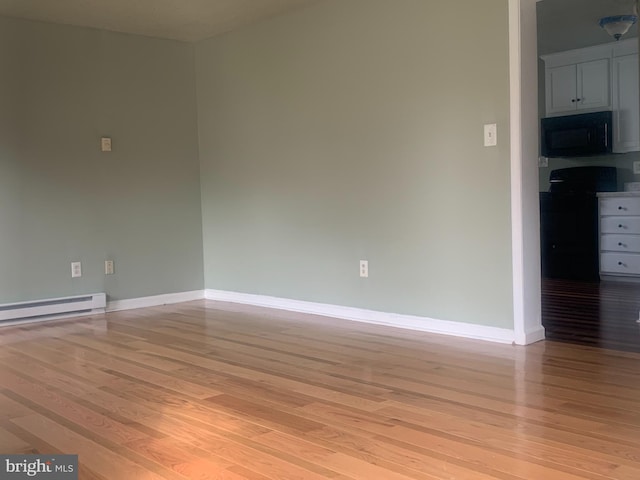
[{"x": 580, "y": 135}]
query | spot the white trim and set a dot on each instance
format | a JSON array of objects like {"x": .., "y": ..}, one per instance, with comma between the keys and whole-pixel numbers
[
  {"x": 533, "y": 336},
  {"x": 517, "y": 231},
  {"x": 410, "y": 322},
  {"x": 154, "y": 301},
  {"x": 525, "y": 248}
]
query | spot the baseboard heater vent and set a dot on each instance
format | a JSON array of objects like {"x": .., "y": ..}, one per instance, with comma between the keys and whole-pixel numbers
[{"x": 51, "y": 308}]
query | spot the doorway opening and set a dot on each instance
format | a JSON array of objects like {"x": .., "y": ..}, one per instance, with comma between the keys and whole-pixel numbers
[{"x": 576, "y": 305}]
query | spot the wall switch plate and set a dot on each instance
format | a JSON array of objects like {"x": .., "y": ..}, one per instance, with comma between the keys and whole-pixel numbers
[
  {"x": 108, "y": 267},
  {"x": 636, "y": 167},
  {"x": 105, "y": 144},
  {"x": 364, "y": 268},
  {"x": 76, "y": 269},
  {"x": 490, "y": 135},
  {"x": 543, "y": 162}
]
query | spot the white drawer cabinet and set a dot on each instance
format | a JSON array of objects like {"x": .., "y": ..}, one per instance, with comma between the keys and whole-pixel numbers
[
  {"x": 620, "y": 263},
  {"x": 619, "y": 205},
  {"x": 619, "y": 214},
  {"x": 619, "y": 243},
  {"x": 627, "y": 225}
]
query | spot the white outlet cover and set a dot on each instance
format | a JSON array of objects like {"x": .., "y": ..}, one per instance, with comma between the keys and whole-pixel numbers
[
  {"x": 543, "y": 162},
  {"x": 364, "y": 268},
  {"x": 636, "y": 167}
]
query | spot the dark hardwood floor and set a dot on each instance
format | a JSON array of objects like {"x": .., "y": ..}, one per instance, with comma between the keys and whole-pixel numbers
[{"x": 601, "y": 314}]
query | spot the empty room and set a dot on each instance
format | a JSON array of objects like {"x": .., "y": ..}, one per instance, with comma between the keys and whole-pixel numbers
[{"x": 294, "y": 239}]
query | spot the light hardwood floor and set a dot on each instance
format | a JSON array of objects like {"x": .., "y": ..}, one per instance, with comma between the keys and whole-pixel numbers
[{"x": 204, "y": 390}]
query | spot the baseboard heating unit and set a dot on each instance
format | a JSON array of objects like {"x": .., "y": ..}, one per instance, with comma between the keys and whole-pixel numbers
[{"x": 51, "y": 308}]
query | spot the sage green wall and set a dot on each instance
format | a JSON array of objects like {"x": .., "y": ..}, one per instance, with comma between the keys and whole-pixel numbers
[
  {"x": 61, "y": 199},
  {"x": 353, "y": 130}
]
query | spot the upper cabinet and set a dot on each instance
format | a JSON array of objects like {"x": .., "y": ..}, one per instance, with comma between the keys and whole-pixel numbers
[
  {"x": 626, "y": 104},
  {"x": 604, "y": 77},
  {"x": 579, "y": 86}
]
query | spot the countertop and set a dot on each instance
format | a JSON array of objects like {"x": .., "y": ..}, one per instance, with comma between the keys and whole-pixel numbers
[{"x": 618, "y": 194}]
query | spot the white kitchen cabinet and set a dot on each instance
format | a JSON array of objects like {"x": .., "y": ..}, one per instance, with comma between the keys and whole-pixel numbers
[
  {"x": 626, "y": 113},
  {"x": 619, "y": 214},
  {"x": 604, "y": 77},
  {"x": 579, "y": 87}
]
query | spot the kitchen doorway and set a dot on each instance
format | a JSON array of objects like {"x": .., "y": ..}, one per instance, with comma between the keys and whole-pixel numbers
[{"x": 577, "y": 309}]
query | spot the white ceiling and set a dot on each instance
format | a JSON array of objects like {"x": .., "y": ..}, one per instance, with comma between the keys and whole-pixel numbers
[
  {"x": 568, "y": 24},
  {"x": 187, "y": 20}
]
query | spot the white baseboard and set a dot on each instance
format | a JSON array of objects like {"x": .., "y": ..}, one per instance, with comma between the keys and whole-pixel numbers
[
  {"x": 534, "y": 336},
  {"x": 411, "y": 322},
  {"x": 154, "y": 301}
]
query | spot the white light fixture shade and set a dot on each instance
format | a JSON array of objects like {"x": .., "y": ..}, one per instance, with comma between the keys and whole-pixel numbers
[{"x": 618, "y": 25}]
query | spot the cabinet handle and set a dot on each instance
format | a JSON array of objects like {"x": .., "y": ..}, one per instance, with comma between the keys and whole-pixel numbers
[
  {"x": 578, "y": 99},
  {"x": 573, "y": 100},
  {"x": 621, "y": 264},
  {"x": 620, "y": 208},
  {"x": 620, "y": 226},
  {"x": 620, "y": 244}
]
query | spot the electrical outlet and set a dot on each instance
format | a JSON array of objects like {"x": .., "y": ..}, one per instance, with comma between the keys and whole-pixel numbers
[
  {"x": 543, "y": 162},
  {"x": 364, "y": 268},
  {"x": 108, "y": 267},
  {"x": 76, "y": 269},
  {"x": 636, "y": 167}
]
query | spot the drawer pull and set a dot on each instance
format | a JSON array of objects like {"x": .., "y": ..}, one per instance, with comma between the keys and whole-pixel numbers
[
  {"x": 620, "y": 226},
  {"x": 621, "y": 208},
  {"x": 621, "y": 264}
]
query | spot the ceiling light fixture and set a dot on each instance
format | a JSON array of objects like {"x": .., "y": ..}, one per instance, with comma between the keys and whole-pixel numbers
[{"x": 617, "y": 25}]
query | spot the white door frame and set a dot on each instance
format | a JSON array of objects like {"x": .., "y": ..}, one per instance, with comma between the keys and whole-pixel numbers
[{"x": 525, "y": 212}]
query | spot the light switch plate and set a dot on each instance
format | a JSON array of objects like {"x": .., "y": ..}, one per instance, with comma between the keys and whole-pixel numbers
[
  {"x": 105, "y": 144},
  {"x": 543, "y": 162},
  {"x": 76, "y": 269},
  {"x": 108, "y": 267},
  {"x": 490, "y": 135}
]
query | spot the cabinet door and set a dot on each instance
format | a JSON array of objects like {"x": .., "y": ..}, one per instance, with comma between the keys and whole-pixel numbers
[
  {"x": 593, "y": 85},
  {"x": 561, "y": 89},
  {"x": 626, "y": 104}
]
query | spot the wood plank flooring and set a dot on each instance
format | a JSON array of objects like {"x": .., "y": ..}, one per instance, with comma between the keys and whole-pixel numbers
[
  {"x": 204, "y": 390},
  {"x": 601, "y": 314}
]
